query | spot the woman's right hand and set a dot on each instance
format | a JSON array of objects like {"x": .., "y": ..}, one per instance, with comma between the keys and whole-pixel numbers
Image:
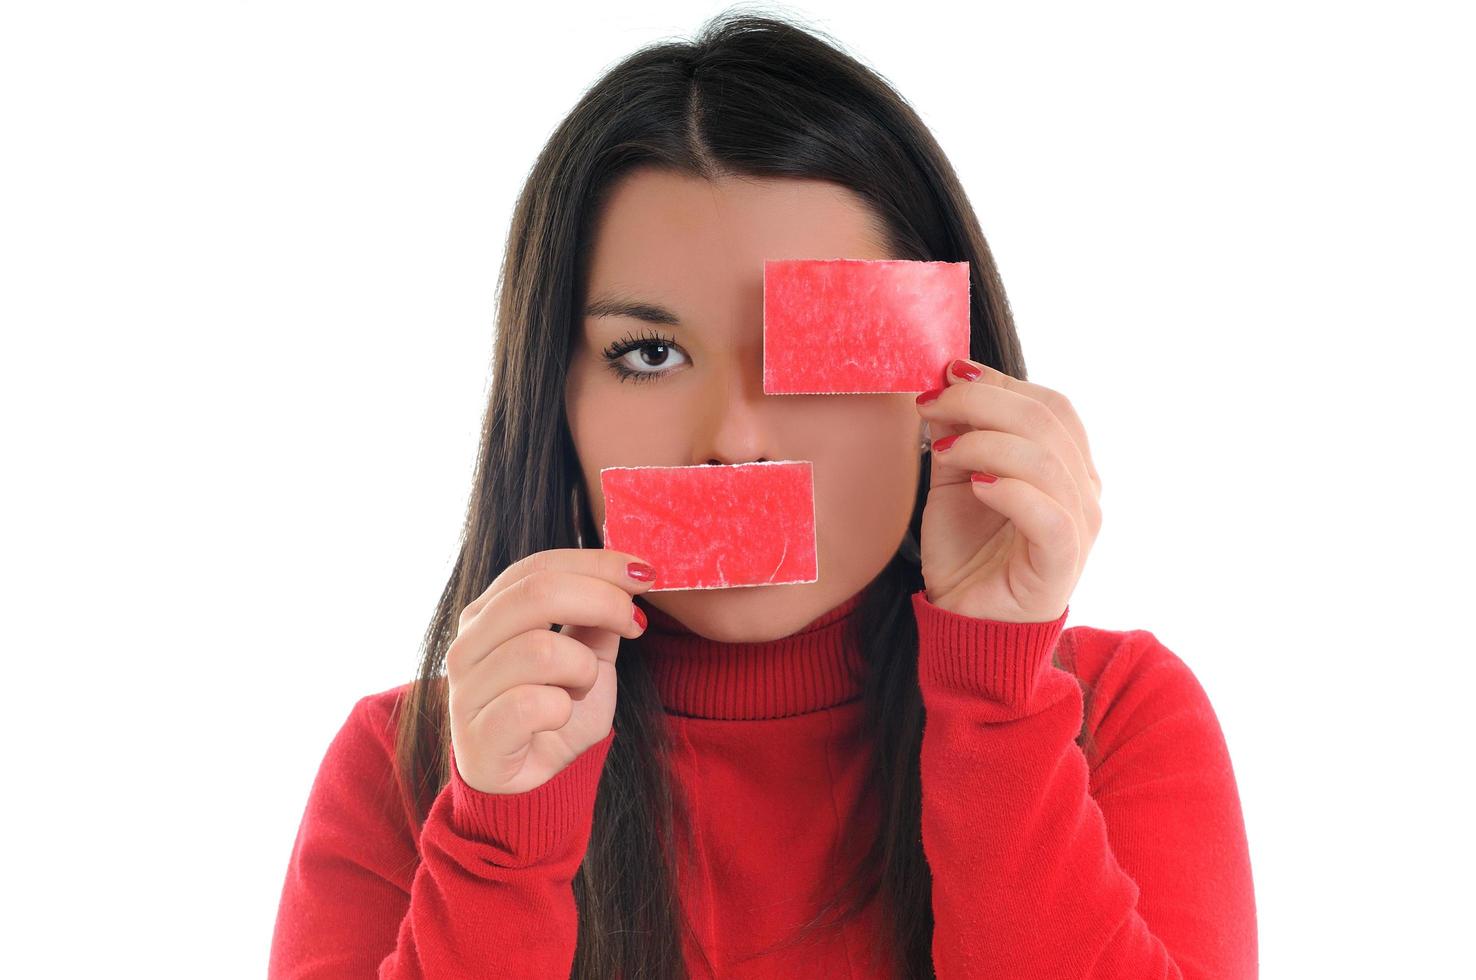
[{"x": 527, "y": 700}]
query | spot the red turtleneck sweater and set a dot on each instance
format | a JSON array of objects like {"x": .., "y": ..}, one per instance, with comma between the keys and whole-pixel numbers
[{"x": 1043, "y": 865}]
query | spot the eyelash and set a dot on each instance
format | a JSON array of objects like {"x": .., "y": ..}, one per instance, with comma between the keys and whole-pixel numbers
[{"x": 626, "y": 344}]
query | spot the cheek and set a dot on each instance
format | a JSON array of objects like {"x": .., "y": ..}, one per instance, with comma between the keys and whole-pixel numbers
[
  {"x": 610, "y": 430},
  {"x": 866, "y": 482},
  {"x": 596, "y": 417}
]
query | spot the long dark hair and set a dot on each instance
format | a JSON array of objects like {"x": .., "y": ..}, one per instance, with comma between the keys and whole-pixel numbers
[{"x": 759, "y": 97}]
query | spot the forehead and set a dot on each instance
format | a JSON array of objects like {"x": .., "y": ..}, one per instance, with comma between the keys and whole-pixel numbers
[{"x": 697, "y": 241}]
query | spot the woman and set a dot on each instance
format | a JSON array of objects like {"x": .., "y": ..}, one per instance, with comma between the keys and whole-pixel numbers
[{"x": 753, "y": 792}]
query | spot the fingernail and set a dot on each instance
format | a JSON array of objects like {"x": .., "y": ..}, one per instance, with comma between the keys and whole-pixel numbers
[
  {"x": 940, "y": 445},
  {"x": 965, "y": 370},
  {"x": 640, "y": 571},
  {"x": 640, "y": 617},
  {"x": 928, "y": 396},
  {"x": 983, "y": 478}
]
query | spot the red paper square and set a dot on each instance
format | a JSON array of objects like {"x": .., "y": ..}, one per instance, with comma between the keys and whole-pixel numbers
[
  {"x": 855, "y": 326},
  {"x": 715, "y": 527}
]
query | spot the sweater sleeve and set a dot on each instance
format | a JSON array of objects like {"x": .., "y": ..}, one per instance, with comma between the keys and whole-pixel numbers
[
  {"x": 483, "y": 888},
  {"x": 1033, "y": 875}
]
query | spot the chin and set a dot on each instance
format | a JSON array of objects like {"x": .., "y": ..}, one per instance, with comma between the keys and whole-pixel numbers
[{"x": 728, "y": 614}]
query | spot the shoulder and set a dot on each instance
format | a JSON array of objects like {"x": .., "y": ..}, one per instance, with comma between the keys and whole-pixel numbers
[
  {"x": 378, "y": 713},
  {"x": 356, "y": 815},
  {"x": 1135, "y": 682},
  {"x": 1112, "y": 662},
  {"x": 357, "y": 784},
  {"x": 1161, "y": 775},
  {"x": 360, "y": 758}
]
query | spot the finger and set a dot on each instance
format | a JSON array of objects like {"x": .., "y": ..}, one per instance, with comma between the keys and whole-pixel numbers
[
  {"x": 506, "y": 726},
  {"x": 980, "y": 405},
  {"x": 1005, "y": 454},
  {"x": 1049, "y": 529},
  {"x": 605, "y": 563},
  {"x": 1058, "y": 403},
  {"x": 536, "y": 602},
  {"x": 534, "y": 657}
]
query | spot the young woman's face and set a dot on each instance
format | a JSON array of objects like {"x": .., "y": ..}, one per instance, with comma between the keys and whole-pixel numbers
[{"x": 697, "y": 248}]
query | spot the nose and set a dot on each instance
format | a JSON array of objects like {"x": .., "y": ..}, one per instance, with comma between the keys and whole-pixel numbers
[{"x": 737, "y": 423}]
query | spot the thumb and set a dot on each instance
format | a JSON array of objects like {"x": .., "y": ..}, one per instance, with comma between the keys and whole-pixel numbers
[{"x": 605, "y": 643}]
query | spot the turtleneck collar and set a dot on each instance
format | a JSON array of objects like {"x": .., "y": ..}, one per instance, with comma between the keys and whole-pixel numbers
[{"x": 814, "y": 668}]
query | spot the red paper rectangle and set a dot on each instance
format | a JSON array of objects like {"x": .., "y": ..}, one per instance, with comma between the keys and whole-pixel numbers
[
  {"x": 854, "y": 326},
  {"x": 715, "y": 527}
]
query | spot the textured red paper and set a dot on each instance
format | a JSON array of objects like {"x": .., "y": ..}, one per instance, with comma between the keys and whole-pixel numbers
[
  {"x": 854, "y": 326},
  {"x": 715, "y": 527}
]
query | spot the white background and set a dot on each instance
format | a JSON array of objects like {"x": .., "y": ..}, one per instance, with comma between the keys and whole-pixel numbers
[{"x": 249, "y": 257}]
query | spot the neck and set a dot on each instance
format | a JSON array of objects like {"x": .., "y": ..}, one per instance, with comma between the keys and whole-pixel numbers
[{"x": 818, "y": 666}]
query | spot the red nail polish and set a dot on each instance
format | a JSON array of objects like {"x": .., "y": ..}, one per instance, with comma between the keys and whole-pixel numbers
[
  {"x": 640, "y": 617},
  {"x": 928, "y": 396},
  {"x": 965, "y": 370},
  {"x": 983, "y": 478},
  {"x": 640, "y": 571},
  {"x": 939, "y": 445}
]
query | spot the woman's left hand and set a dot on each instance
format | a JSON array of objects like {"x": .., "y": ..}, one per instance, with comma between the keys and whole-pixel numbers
[{"x": 1012, "y": 550}]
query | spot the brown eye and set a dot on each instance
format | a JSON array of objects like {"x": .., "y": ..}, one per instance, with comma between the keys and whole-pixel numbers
[
  {"x": 650, "y": 351},
  {"x": 653, "y": 352}
]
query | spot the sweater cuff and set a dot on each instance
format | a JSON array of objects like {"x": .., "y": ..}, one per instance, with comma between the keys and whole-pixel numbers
[
  {"x": 984, "y": 657},
  {"x": 536, "y": 824}
]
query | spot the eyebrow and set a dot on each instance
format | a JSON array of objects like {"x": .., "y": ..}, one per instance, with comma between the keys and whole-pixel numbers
[{"x": 618, "y": 306}]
